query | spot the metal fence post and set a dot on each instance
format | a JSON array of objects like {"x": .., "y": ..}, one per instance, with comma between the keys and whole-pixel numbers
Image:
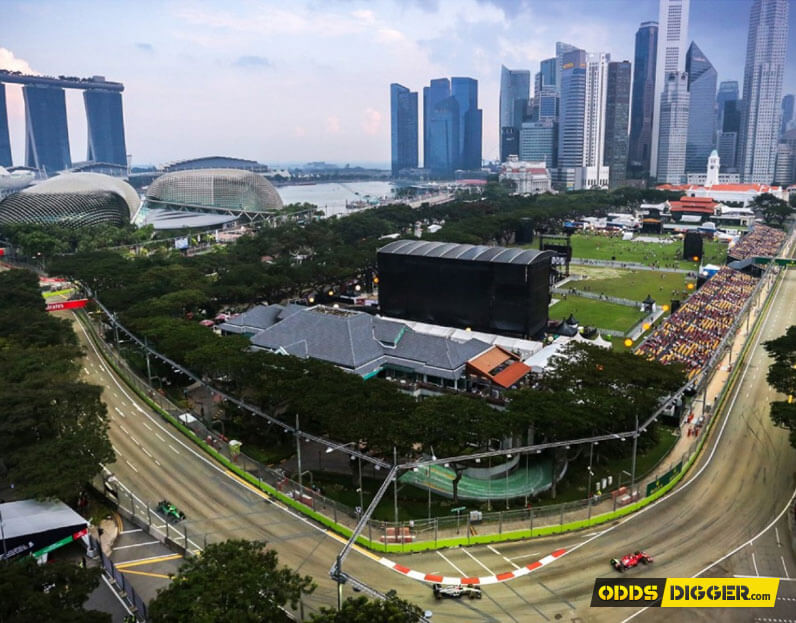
[
  {"x": 468, "y": 528},
  {"x": 531, "y": 513},
  {"x": 500, "y": 522},
  {"x": 436, "y": 530},
  {"x": 561, "y": 522}
]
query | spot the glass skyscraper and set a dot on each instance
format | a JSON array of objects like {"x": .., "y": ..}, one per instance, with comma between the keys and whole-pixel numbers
[
  {"x": 639, "y": 147},
  {"x": 515, "y": 88},
  {"x": 701, "y": 109},
  {"x": 465, "y": 92},
  {"x": 548, "y": 69},
  {"x": 403, "y": 128},
  {"x": 673, "y": 129},
  {"x": 538, "y": 142},
  {"x": 617, "y": 114},
  {"x": 762, "y": 89},
  {"x": 5, "y": 141},
  {"x": 439, "y": 90},
  {"x": 787, "y": 113},
  {"x": 443, "y": 138},
  {"x": 572, "y": 109},
  {"x": 46, "y": 135},
  {"x": 105, "y": 122}
]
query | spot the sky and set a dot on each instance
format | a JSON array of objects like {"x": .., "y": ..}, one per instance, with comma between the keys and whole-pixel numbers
[{"x": 308, "y": 80}]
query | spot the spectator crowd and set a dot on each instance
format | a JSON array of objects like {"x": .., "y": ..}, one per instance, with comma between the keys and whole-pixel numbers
[
  {"x": 693, "y": 333},
  {"x": 762, "y": 241}
]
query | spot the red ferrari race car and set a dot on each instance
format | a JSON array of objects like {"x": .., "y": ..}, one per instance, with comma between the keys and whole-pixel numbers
[{"x": 630, "y": 560}]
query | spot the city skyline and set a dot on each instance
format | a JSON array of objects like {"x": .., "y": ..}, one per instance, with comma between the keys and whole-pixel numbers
[{"x": 198, "y": 77}]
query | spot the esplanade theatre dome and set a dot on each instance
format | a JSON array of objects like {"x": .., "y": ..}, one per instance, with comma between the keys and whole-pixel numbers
[
  {"x": 73, "y": 200},
  {"x": 208, "y": 197}
]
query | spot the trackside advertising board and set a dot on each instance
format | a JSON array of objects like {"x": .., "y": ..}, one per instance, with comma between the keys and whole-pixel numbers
[
  {"x": 76, "y": 304},
  {"x": 685, "y": 592}
]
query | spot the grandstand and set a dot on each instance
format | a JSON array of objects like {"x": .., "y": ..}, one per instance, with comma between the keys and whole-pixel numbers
[
  {"x": 692, "y": 334},
  {"x": 762, "y": 241}
]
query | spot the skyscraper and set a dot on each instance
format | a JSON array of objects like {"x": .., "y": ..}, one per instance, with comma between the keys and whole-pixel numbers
[
  {"x": 728, "y": 92},
  {"x": 439, "y": 89},
  {"x": 515, "y": 88},
  {"x": 639, "y": 147},
  {"x": 762, "y": 89},
  {"x": 403, "y": 128},
  {"x": 728, "y": 118},
  {"x": 538, "y": 142},
  {"x": 105, "y": 122},
  {"x": 594, "y": 120},
  {"x": 572, "y": 109},
  {"x": 443, "y": 138},
  {"x": 465, "y": 92},
  {"x": 5, "y": 142},
  {"x": 561, "y": 49},
  {"x": 46, "y": 134},
  {"x": 787, "y": 113},
  {"x": 617, "y": 114},
  {"x": 673, "y": 129},
  {"x": 701, "y": 109},
  {"x": 672, "y": 41}
]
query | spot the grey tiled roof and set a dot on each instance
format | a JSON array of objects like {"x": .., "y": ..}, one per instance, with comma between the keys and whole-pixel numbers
[{"x": 363, "y": 343}]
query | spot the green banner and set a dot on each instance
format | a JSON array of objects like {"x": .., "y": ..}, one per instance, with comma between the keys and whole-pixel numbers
[{"x": 664, "y": 480}]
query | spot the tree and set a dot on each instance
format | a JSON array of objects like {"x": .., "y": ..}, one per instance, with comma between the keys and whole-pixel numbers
[
  {"x": 236, "y": 580},
  {"x": 782, "y": 377},
  {"x": 53, "y": 433},
  {"x": 54, "y": 592},
  {"x": 774, "y": 210},
  {"x": 363, "y": 610}
]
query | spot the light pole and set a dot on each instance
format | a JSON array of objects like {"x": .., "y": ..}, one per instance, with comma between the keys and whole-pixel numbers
[
  {"x": 395, "y": 485},
  {"x": 508, "y": 458},
  {"x": 591, "y": 473},
  {"x": 633, "y": 468},
  {"x": 298, "y": 455}
]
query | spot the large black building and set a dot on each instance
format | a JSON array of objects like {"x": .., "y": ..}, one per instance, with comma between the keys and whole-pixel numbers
[{"x": 491, "y": 289}]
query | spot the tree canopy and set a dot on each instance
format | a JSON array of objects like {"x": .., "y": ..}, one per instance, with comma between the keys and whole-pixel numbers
[
  {"x": 364, "y": 610},
  {"x": 774, "y": 210},
  {"x": 53, "y": 434},
  {"x": 234, "y": 580},
  {"x": 54, "y": 592},
  {"x": 782, "y": 377}
]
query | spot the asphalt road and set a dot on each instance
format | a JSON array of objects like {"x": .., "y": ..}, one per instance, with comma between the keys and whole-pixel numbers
[{"x": 740, "y": 484}]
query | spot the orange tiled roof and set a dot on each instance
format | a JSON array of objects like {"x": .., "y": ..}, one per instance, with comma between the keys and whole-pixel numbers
[{"x": 507, "y": 377}]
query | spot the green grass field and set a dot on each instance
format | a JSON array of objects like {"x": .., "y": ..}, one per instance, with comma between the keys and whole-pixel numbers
[
  {"x": 595, "y": 313},
  {"x": 669, "y": 255},
  {"x": 630, "y": 284}
]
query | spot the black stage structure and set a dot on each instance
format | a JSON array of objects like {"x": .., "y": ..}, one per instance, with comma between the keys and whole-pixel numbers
[{"x": 491, "y": 289}]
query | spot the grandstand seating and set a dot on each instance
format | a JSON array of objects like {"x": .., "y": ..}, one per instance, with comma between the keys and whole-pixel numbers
[{"x": 762, "y": 241}]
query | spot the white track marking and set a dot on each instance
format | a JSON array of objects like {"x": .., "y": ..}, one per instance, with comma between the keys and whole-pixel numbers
[
  {"x": 134, "y": 545},
  {"x": 464, "y": 549},
  {"x": 147, "y": 452},
  {"x": 133, "y": 467},
  {"x": 135, "y": 441},
  {"x": 116, "y": 451},
  {"x": 776, "y": 532},
  {"x": 754, "y": 564},
  {"x": 524, "y": 556},
  {"x": 124, "y": 430},
  {"x": 119, "y": 411},
  {"x": 174, "y": 449},
  {"x": 148, "y": 427},
  {"x": 445, "y": 558},
  {"x": 782, "y": 558},
  {"x": 86, "y": 369},
  {"x": 119, "y": 597},
  {"x": 159, "y": 437},
  {"x": 508, "y": 560},
  {"x": 131, "y": 531}
]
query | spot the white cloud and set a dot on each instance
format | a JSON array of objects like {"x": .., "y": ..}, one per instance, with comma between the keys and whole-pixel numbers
[
  {"x": 12, "y": 63},
  {"x": 300, "y": 131},
  {"x": 371, "y": 122},
  {"x": 332, "y": 124}
]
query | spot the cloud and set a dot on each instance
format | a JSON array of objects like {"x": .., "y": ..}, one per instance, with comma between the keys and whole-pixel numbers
[
  {"x": 11, "y": 63},
  {"x": 144, "y": 47},
  {"x": 332, "y": 124},
  {"x": 300, "y": 131},
  {"x": 371, "y": 123},
  {"x": 252, "y": 61}
]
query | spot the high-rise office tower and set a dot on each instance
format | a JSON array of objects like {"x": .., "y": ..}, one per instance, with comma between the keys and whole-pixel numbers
[
  {"x": 105, "y": 121},
  {"x": 46, "y": 134},
  {"x": 672, "y": 42},
  {"x": 673, "y": 129},
  {"x": 443, "y": 138},
  {"x": 548, "y": 69},
  {"x": 783, "y": 170},
  {"x": 465, "y": 92},
  {"x": 572, "y": 109},
  {"x": 787, "y": 113},
  {"x": 727, "y": 137},
  {"x": 728, "y": 92},
  {"x": 640, "y": 143},
  {"x": 515, "y": 88},
  {"x": 538, "y": 142},
  {"x": 438, "y": 90},
  {"x": 5, "y": 141},
  {"x": 701, "y": 109},
  {"x": 403, "y": 128},
  {"x": 762, "y": 90},
  {"x": 561, "y": 49},
  {"x": 594, "y": 120},
  {"x": 617, "y": 115}
]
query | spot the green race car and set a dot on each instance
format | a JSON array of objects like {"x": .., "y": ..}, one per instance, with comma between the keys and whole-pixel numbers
[{"x": 169, "y": 512}]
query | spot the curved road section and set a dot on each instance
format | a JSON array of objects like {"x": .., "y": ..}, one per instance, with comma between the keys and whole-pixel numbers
[{"x": 725, "y": 519}]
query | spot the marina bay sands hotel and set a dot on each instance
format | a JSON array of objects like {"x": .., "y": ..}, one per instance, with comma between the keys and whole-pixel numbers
[{"x": 46, "y": 132}]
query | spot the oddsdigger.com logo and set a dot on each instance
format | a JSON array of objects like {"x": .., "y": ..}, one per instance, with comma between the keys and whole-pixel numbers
[{"x": 685, "y": 592}]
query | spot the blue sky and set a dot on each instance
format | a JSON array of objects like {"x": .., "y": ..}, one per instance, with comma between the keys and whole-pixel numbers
[{"x": 309, "y": 79}]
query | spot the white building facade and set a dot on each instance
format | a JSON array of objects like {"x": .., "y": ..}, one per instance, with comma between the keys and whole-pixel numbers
[{"x": 673, "y": 134}]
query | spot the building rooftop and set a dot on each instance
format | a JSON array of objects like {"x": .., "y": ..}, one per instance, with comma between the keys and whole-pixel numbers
[{"x": 475, "y": 253}]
